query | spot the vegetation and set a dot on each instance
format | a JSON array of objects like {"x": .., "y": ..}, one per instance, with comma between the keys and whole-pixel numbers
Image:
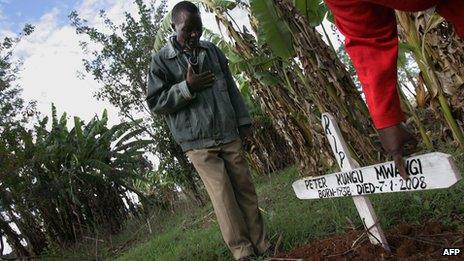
[
  {"x": 438, "y": 53},
  {"x": 288, "y": 89},
  {"x": 193, "y": 233},
  {"x": 14, "y": 110},
  {"x": 59, "y": 184}
]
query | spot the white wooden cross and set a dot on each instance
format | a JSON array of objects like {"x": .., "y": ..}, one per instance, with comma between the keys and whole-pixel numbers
[{"x": 428, "y": 171}]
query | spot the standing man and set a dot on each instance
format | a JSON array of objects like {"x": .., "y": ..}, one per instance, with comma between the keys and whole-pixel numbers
[
  {"x": 371, "y": 40},
  {"x": 191, "y": 85}
]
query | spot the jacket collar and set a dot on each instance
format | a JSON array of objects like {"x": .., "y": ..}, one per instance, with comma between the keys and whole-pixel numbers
[{"x": 173, "y": 51}]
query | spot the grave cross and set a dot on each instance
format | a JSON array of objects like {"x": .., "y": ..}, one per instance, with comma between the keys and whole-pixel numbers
[{"x": 427, "y": 171}]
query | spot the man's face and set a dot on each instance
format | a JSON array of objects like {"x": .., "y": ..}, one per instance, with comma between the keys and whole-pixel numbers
[{"x": 189, "y": 29}]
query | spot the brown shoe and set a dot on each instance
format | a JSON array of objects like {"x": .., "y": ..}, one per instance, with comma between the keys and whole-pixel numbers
[{"x": 270, "y": 252}]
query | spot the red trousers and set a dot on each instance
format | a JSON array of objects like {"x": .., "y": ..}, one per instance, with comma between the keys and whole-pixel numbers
[{"x": 371, "y": 41}]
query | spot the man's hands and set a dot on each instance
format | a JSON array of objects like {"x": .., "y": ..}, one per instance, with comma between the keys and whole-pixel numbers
[
  {"x": 198, "y": 82},
  {"x": 245, "y": 136},
  {"x": 393, "y": 140}
]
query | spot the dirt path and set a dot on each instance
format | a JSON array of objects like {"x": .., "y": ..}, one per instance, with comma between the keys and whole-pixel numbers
[{"x": 407, "y": 242}]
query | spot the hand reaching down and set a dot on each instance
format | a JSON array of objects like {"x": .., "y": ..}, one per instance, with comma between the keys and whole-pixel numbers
[{"x": 393, "y": 140}]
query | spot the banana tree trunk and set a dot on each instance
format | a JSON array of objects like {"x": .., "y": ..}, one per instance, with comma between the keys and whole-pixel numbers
[
  {"x": 326, "y": 80},
  {"x": 302, "y": 92},
  {"x": 270, "y": 151},
  {"x": 276, "y": 103},
  {"x": 13, "y": 240},
  {"x": 440, "y": 57}
]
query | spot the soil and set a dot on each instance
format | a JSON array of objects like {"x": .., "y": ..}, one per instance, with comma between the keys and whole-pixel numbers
[{"x": 407, "y": 242}]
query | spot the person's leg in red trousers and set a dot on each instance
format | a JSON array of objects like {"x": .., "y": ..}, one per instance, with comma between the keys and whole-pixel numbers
[{"x": 371, "y": 41}]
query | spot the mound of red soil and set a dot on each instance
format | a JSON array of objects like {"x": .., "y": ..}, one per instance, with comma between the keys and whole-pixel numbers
[{"x": 407, "y": 242}]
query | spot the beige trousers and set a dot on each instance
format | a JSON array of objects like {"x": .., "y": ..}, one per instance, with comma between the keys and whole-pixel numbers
[{"x": 227, "y": 179}]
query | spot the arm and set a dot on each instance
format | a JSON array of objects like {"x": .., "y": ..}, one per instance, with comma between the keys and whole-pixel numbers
[
  {"x": 163, "y": 97},
  {"x": 371, "y": 41}
]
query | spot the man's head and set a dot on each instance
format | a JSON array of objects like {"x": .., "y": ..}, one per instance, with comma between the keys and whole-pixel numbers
[{"x": 186, "y": 22}]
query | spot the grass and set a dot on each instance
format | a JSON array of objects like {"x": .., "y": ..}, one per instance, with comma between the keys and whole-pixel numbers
[
  {"x": 191, "y": 236},
  {"x": 192, "y": 233}
]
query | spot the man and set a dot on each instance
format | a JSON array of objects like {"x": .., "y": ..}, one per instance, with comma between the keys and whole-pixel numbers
[
  {"x": 191, "y": 85},
  {"x": 371, "y": 40}
]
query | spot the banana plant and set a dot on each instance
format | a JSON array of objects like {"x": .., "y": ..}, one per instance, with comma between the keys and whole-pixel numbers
[
  {"x": 315, "y": 12},
  {"x": 415, "y": 32},
  {"x": 291, "y": 90},
  {"x": 274, "y": 29},
  {"x": 403, "y": 50},
  {"x": 163, "y": 32},
  {"x": 62, "y": 182}
]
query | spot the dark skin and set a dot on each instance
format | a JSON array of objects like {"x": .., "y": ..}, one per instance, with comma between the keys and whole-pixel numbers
[
  {"x": 393, "y": 140},
  {"x": 189, "y": 29}
]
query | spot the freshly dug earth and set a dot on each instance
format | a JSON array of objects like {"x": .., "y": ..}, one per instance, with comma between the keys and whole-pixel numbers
[{"x": 407, "y": 242}]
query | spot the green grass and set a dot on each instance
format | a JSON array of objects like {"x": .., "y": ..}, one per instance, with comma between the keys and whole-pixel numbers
[{"x": 193, "y": 234}]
